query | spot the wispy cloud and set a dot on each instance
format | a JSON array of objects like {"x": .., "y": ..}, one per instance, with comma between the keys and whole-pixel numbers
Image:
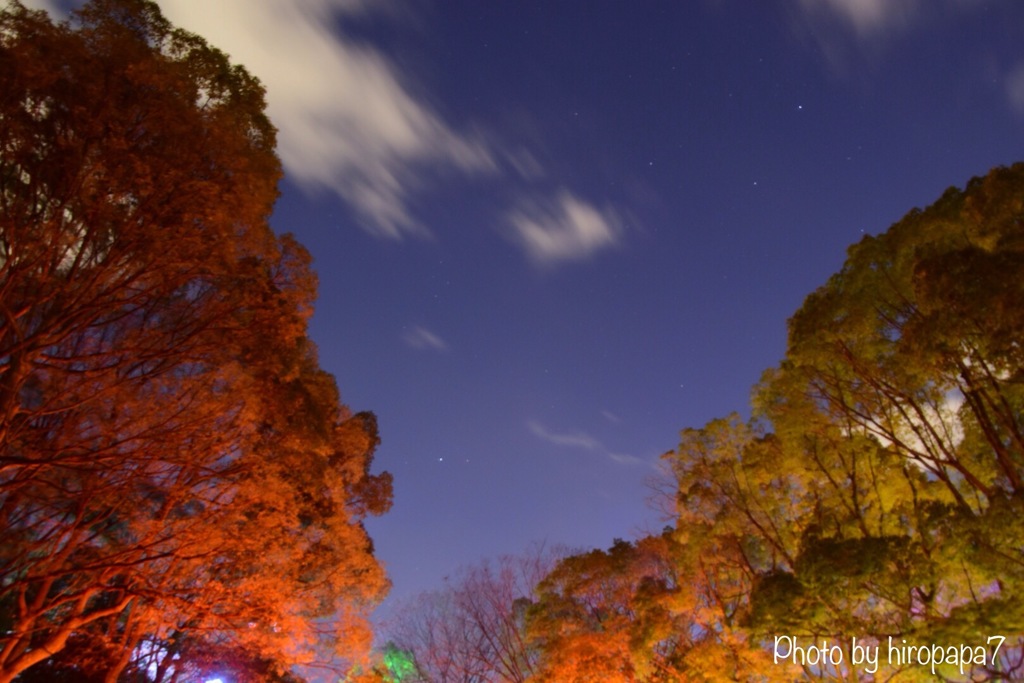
[
  {"x": 421, "y": 338},
  {"x": 848, "y": 31},
  {"x": 865, "y": 16},
  {"x": 1015, "y": 88},
  {"x": 577, "y": 439},
  {"x": 564, "y": 228},
  {"x": 624, "y": 459},
  {"x": 347, "y": 122}
]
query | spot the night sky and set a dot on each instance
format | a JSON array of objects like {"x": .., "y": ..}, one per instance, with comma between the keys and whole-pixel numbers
[{"x": 550, "y": 235}]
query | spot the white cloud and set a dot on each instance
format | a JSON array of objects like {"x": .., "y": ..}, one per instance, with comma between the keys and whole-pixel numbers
[
  {"x": 563, "y": 229},
  {"x": 579, "y": 440},
  {"x": 421, "y": 338},
  {"x": 865, "y": 16},
  {"x": 346, "y": 121},
  {"x": 848, "y": 32}
]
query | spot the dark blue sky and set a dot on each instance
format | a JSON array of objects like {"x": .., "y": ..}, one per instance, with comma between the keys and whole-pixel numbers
[
  {"x": 550, "y": 235},
  {"x": 734, "y": 150}
]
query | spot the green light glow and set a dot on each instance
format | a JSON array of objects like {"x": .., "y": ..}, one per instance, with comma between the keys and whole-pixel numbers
[{"x": 399, "y": 663}]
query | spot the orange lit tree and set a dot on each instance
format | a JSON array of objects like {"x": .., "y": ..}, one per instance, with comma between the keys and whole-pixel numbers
[
  {"x": 655, "y": 611},
  {"x": 177, "y": 474}
]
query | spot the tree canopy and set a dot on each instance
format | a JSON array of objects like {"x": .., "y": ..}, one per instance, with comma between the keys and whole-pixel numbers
[
  {"x": 179, "y": 481},
  {"x": 874, "y": 493}
]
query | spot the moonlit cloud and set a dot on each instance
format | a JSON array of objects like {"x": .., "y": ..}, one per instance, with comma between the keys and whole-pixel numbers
[
  {"x": 865, "y": 16},
  {"x": 565, "y": 228},
  {"x": 579, "y": 440},
  {"x": 421, "y": 338},
  {"x": 846, "y": 32},
  {"x": 346, "y": 121}
]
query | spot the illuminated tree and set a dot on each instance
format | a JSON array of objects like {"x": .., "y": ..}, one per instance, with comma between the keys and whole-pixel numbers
[
  {"x": 877, "y": 490},
  {"x": 914, "y": 346},
  {"x": 587, "y": 613},
  {"x": 656, "y": 610},
  {"x": 174, "y": 466}
]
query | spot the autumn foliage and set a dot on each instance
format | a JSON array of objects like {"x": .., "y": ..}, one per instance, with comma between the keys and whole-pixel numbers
[
  {"x": 179, "y": 482},
  {"x": 876, "y": 492}
]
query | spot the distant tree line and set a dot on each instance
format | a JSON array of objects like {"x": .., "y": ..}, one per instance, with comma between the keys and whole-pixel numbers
[
  {"x": 181, "y": 490},
  {"x": 876, "y": 493}
]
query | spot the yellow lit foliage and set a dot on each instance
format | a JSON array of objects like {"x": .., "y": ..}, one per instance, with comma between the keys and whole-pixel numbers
[{"x": 876, "y": 491}]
